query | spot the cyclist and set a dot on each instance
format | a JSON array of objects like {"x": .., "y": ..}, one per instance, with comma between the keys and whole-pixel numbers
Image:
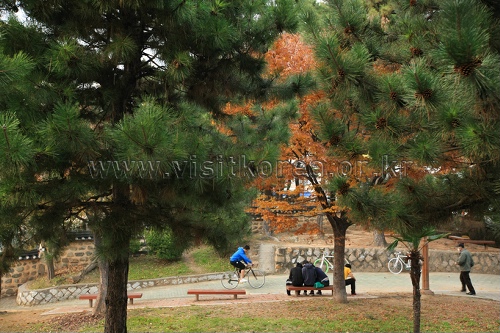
[{"x": 240, "y": 260}]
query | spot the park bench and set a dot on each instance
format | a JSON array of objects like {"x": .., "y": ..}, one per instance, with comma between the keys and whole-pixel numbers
[
  {"x": 304, "y": 288},
  {"x": 198, "y": 292},
  {"x": 471, "y": 241},
  {"x": 92, "y": 297}
]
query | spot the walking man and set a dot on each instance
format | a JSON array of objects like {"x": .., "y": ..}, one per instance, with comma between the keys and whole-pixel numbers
[{"x": 465, "y": 262}]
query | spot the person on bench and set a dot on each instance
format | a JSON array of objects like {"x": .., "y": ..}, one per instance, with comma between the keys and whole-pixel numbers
[
  {"x": 295, "y": 278},
  {"x": 322, "y": 278},
  {"x": 309, "y": 275},
  {"x": 349, "y": 278}
]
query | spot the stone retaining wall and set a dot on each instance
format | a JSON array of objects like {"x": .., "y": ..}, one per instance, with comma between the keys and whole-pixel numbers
[
  {"x": 376, "y": 259},
  {"x": 23, "y": 271},
  {"x": 261, "y": 227},
  {"x": 27, "y": 297},
  {"x": 77, "y": 255}
]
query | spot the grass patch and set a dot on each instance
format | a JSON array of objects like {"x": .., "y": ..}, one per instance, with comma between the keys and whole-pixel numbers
[
  {"x": 208, "y": 260},
  {"x": 149, "y": 267},
  {"x": 43, "y": 282}
]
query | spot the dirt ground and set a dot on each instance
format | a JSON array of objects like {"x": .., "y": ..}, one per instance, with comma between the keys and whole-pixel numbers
[{"x": 18, "y": 319}]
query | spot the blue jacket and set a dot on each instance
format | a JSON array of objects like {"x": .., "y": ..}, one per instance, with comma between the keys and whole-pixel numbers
[{"x": 240, "y": 256}]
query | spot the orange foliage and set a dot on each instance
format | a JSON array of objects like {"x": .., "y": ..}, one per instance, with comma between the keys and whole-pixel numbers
[
  {"x": 382, "y": 67},
  {"x": 232, "y": 109},
  {"x": 290, "y": 55},
  {"x": 280, "y": 206}
]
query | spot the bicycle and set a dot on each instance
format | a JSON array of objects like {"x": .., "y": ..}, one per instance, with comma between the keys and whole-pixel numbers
[
  {"x": 396, "y": 264},
  {"x": 323, "y": 261},
  {"x": 256, "y": 278}
]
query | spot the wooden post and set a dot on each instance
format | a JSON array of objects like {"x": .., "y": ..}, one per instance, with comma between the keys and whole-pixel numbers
[{"x": 425, "y": 269}]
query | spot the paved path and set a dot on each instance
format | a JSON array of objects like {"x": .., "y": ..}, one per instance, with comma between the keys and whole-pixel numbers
[{"x": 367, "y": 285}]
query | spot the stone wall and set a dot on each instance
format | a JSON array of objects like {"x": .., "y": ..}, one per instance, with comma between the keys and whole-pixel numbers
[
  {"x": 76, "y": 256},
  {"x": 261, "y": 227},
  {"x": 376, "y": 259},
  {"x": 21, "y": 272}
]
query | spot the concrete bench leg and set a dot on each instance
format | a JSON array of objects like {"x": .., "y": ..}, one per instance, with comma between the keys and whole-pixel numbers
[{"x": 90, "y": 302}]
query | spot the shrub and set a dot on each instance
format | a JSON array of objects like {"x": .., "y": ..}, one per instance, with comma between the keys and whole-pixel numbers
[{"x": 164, "y": 244}]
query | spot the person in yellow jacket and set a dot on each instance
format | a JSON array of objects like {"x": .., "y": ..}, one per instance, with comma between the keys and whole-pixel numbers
[{"x": 349, "y": 278}]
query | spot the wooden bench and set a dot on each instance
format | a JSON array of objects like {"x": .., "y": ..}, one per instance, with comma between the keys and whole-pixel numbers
[
  {"x": 471, "y": 241},
  {"x": 304, "y": 288},
  {"x": 92, "y": 297},
  {"x": 198, "y": 292}
]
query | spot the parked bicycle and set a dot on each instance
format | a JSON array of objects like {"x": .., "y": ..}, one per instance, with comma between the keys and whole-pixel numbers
[
  {"x": 396, "y": 264},
  {"x": 324, "y": 262},
  {"x": 255, "y": 277}
]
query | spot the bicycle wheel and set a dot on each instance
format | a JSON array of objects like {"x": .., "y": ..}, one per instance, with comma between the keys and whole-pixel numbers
[
  {"x": 323, "y": 264},
  {"x": 395, "y": 266},
  {"x": 229, "y": 280},
  {"x": 256, "y": 278}
]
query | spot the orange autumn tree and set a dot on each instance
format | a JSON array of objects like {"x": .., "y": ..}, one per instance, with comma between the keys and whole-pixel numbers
[
  {"x": 283, "y": 198},
  {"x": 299, "y": 185}
]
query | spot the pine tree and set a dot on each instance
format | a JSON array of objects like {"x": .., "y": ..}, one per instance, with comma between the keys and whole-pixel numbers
[
  {"x": 124, "y": 125},
  {"x": 413, "y": 92},
  {"x": 15, "y": 151}
]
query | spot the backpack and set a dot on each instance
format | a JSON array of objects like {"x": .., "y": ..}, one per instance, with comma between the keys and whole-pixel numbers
[{"x": 318, "y": 285}]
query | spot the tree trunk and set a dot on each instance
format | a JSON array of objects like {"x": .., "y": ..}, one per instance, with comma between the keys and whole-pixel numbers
[
  {"x": 115, "y": 320},
  {"x": 414, "y": 256},
  {"x": 339, "y": 226},
  {"x": 116, "y": 299},
  {"x": 90, "y": 267},
  {"x": 100, "y": 306},
  {"x": 49, "y": 260},
  {"x": 48, "y": 257},
  {"x": 116, "y": 233},
  {"x": 379, "y": 238},
  {"x": 6, "y": 259}
]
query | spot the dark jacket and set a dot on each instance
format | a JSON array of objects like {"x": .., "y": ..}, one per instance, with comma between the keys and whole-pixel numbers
[
  {"x": 321, "y": 276},
  {"x": 309, "y": 274},
  {"x": 296, "y": 276}
]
